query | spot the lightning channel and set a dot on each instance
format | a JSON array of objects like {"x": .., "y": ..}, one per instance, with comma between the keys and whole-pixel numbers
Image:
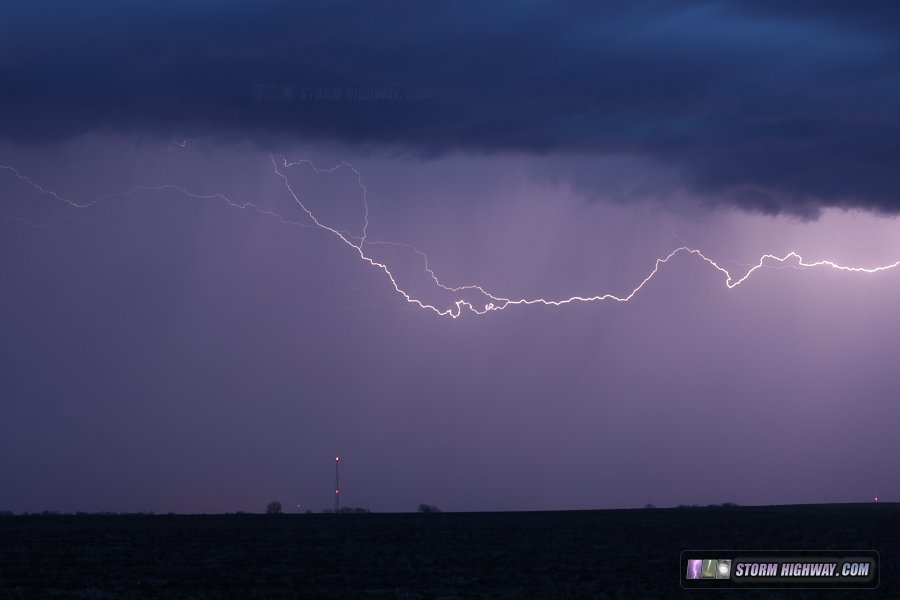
[{"x": 456, "y": 307}]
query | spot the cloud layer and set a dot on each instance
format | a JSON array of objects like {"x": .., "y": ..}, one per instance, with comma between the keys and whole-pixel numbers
[{"x": 754, "y": 104}]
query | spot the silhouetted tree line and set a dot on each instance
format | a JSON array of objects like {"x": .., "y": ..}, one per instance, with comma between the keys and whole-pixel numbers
[{"x": 428, "y": 508}]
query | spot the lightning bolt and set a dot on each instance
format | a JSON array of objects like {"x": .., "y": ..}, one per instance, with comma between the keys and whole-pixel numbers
[{"x": 458, "y": 306}]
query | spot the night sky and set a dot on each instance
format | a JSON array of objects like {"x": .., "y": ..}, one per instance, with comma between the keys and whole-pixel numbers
[{"x": 206, "y": 207}]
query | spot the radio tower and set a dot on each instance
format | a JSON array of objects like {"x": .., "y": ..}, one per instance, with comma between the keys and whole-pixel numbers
[{"x": 337, "y": 484}]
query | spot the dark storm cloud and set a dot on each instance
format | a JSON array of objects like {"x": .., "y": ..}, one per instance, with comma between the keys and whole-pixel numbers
[{"x": 768, "y": 105}]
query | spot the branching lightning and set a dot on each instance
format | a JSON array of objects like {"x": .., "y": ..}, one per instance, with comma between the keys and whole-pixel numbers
[{"x": 458, "y": 305}]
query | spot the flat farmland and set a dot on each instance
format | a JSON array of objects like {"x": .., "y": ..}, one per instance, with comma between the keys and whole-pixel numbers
[{"x": 573, "y": 554}]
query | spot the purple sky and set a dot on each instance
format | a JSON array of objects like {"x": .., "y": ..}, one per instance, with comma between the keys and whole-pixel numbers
[
  {"x": 167, "y": 353},
  {"x": 175, "y": 352}
]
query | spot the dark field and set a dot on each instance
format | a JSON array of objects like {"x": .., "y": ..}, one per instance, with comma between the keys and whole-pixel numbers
[{"x": 580, "y": 554}]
